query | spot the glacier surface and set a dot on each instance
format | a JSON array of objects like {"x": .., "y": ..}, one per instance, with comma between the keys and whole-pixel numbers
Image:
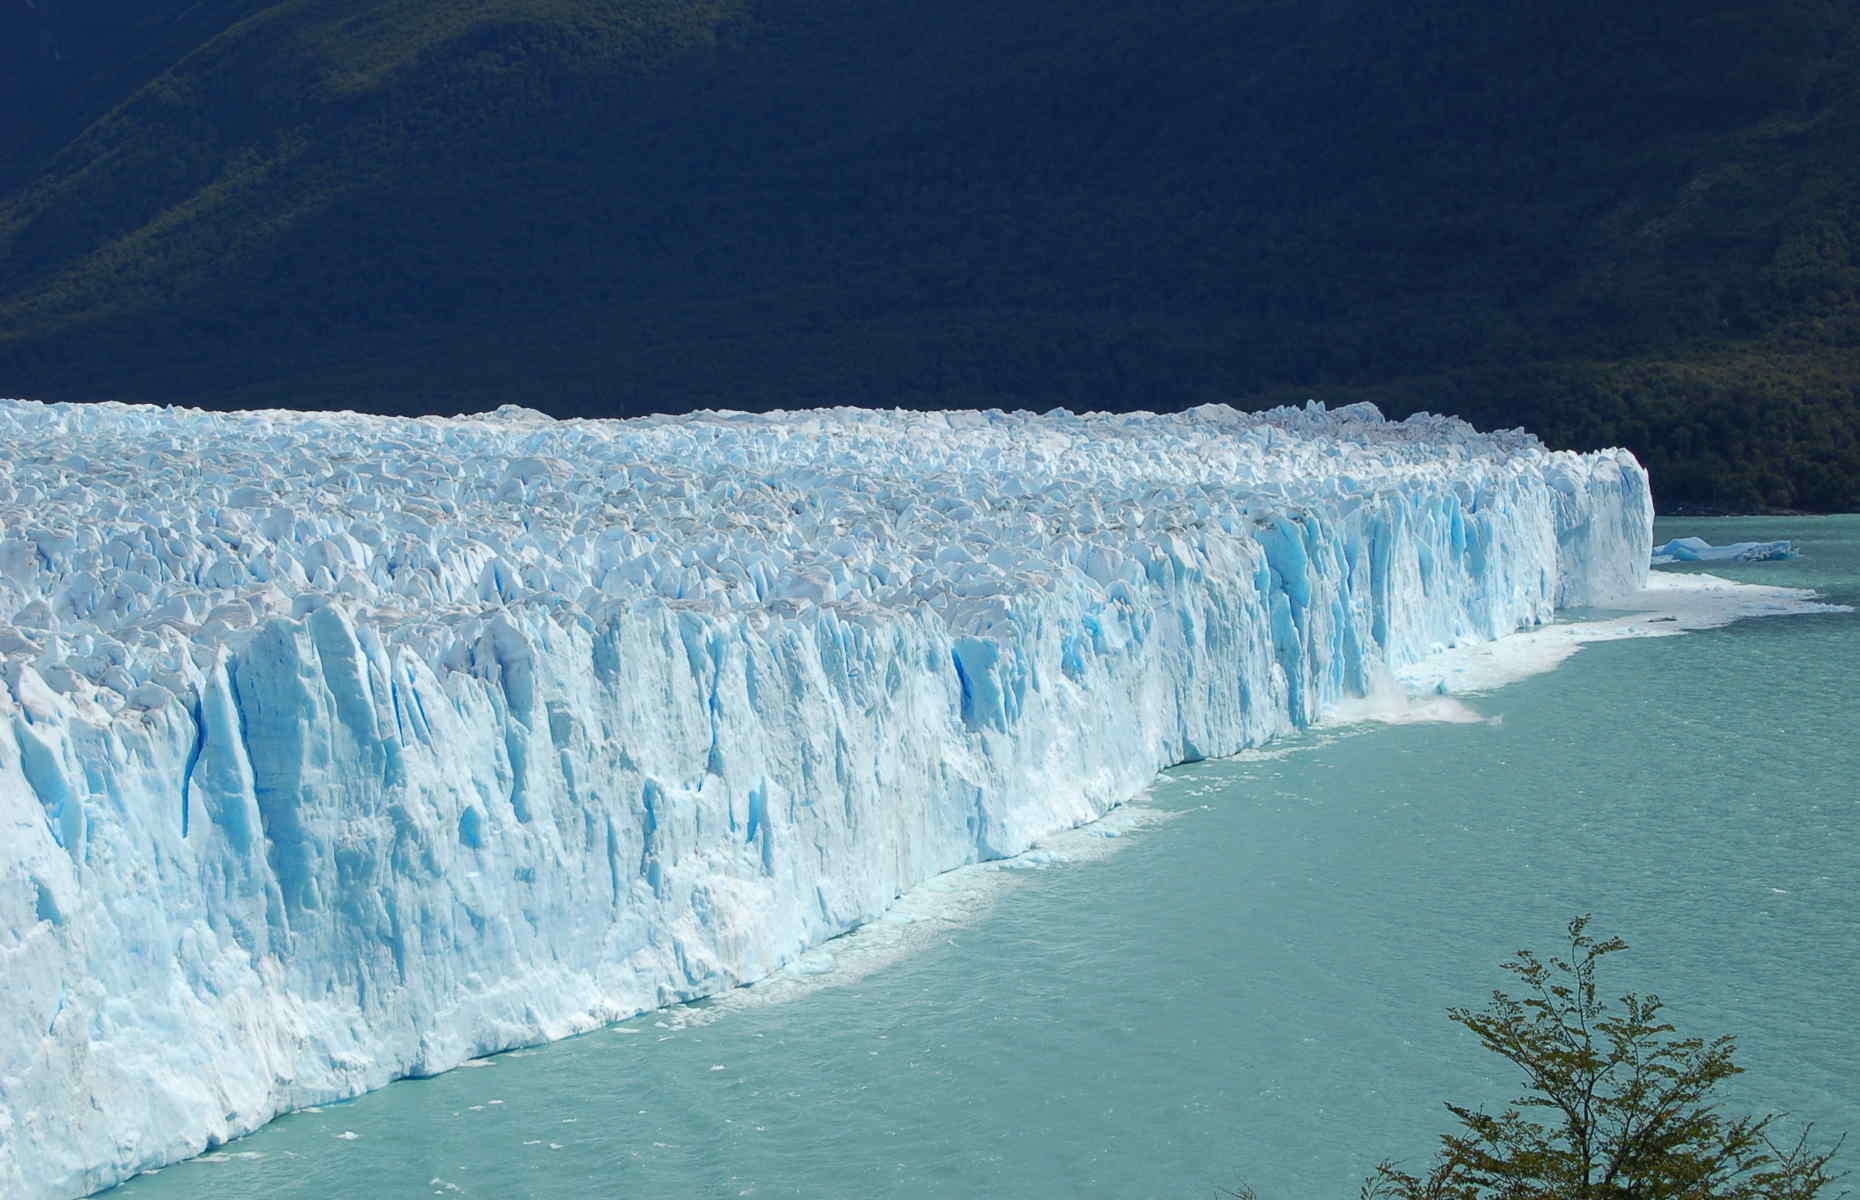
[{"x": 336, "y": 748}]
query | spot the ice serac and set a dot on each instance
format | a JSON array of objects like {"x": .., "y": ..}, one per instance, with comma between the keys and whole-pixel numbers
[{"x": 339, "y": 748}]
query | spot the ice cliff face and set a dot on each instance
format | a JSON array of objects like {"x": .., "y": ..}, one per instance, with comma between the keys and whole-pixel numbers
[{"x": 335, "y": 749}]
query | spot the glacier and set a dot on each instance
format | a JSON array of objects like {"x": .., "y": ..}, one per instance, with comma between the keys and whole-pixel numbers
[{"x": 337, "y": 748}]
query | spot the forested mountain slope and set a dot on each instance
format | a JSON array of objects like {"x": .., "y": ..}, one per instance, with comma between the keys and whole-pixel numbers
[{"x": 1614, "y": 224}]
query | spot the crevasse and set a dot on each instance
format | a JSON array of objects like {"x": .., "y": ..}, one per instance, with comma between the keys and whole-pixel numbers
[{"x": 338, "y": 748}]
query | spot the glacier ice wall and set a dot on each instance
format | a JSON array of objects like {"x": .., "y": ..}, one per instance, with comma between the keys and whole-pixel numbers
[{"x": 335, "y": 749}]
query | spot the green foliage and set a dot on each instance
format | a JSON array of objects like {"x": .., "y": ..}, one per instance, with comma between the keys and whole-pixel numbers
[
  {"x": 1617, "y": 1107},
  {"x": 1636, "y": 226}
]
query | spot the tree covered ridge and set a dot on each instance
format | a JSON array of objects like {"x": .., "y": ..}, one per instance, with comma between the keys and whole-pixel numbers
[{"x": 1630, "y": 224}]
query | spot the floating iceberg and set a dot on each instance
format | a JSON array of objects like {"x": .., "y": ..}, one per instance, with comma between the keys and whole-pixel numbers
[
  {"x": 1691, "y": 549},
  {"x": 338, "y": 748}
]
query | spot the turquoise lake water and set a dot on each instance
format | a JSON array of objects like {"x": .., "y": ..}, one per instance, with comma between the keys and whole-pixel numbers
[{"x": 1250, "y": 984}]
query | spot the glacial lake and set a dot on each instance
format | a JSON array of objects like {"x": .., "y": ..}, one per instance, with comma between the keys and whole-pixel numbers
[{"x": 1248, "y": 981}]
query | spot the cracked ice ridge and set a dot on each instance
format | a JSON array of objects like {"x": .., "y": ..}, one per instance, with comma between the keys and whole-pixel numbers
[{"x": 338, "y": 748}]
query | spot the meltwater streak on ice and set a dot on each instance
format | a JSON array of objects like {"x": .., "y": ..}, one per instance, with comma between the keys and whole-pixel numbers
[{"x": 339, "y": 748}]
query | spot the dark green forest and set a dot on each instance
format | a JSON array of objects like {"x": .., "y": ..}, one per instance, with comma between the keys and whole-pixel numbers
[{"x": 1613, "y": 224}]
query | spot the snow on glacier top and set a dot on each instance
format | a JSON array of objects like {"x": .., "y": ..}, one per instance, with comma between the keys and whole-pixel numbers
[{"x": 136, "y": 542}]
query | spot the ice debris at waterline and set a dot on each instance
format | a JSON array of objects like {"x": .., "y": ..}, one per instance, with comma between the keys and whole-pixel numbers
[
  {"x": 338, "y": 748},
  {"x": 1691, "y": 549}
]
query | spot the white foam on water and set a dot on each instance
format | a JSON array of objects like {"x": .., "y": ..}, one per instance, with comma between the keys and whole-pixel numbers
[
  {"x": 1321, "y": 734},
  {"x": 1670, "y": 604},
  {"x": 224, "y": 1157},
  {"x": 1392, "y": 703},
  {"x": 1429, "y": 690},
  {"x": 923, "y": 917}
]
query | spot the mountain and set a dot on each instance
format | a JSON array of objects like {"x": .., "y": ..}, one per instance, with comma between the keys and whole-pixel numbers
[{"x": 1612, "y": 224}]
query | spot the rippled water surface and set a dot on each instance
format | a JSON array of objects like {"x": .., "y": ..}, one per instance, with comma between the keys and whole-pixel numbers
[{"x": 1252, "y": 985}]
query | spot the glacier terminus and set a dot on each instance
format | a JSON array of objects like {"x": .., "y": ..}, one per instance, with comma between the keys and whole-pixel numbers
[{"x": 336, "y": 749}]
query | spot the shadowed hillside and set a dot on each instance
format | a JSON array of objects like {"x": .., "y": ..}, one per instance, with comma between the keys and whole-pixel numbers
[{"x": 1614, "y": 225}]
